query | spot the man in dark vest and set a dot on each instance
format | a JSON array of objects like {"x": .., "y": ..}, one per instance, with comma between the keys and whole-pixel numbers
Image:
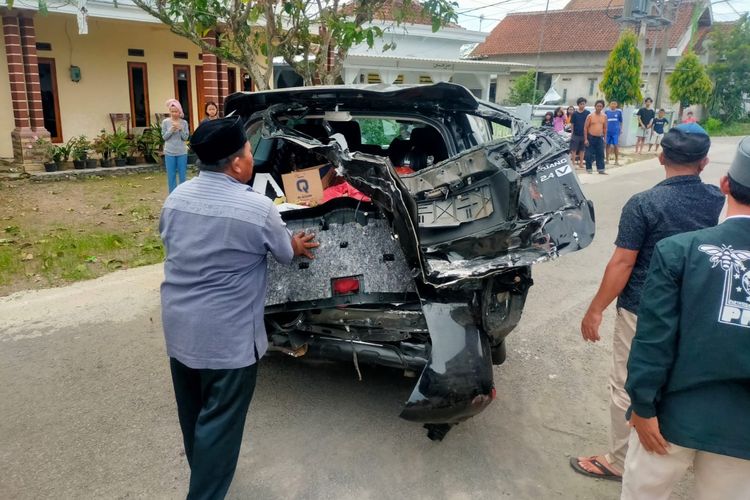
[{"x": 689, "y": 366}]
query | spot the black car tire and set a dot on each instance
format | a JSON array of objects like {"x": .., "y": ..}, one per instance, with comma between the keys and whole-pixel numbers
[{"x": 498, "y": 353}]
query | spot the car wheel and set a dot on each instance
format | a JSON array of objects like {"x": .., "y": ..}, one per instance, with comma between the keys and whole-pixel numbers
[{"x": 498, "y": 353}]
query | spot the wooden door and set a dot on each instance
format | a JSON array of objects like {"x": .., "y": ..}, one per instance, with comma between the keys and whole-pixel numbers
[
  {"x": 50, "y": 98},
  {"x": 201, "y": 95},
  {"x": 183, "y": 93}
]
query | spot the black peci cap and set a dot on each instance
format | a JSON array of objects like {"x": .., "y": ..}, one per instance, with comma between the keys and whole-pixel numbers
[
  {"x": 215, "y": 140},
  {"x": 686, "y": 143},
  {"x": 740, "y": 169}
]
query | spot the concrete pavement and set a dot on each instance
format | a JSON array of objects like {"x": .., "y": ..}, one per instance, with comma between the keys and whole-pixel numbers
[{"x": 86, "y": 408}]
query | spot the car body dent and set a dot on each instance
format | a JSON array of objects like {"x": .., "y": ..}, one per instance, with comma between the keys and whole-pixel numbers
[
  {"x": 539, "y": 211},
  {"x": 526, "y": 206}
]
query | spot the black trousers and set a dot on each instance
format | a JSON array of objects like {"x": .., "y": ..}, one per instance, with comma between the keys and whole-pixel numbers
[
  {"x": 595, "y": 151},
  {"x": 212, "y": 406}
]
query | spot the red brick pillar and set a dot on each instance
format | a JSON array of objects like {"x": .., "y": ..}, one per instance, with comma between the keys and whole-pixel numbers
[
  {"x": 16, "y": 74},
  {"x": 210, "y": 76},
  {"x": 31, "y": 71},
  {"x": 223, "y": 83}
]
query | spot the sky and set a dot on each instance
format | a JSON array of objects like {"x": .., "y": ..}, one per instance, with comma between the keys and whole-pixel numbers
[{"x": 494, "y": 10}]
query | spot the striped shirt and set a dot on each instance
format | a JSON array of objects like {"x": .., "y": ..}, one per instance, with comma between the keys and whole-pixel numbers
[{"x": 216, "y": 233}]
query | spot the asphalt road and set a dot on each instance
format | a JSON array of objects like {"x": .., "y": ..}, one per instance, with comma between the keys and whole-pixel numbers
[{"x": 87, "y": 410}]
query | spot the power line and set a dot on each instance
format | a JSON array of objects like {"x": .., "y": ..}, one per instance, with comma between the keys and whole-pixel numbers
[{"x": 486, "y": 6}]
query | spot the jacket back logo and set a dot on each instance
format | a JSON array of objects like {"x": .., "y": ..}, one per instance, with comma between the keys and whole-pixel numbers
[{"x": 735, "y": 303}]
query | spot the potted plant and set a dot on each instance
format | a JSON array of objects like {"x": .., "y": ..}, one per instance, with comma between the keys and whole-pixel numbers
[
  {"x": 118, "y": 146},
  {"x": 150, "y": 142},
  {"x": 62, "y": 155},
  {"x": 47, "y": 151},
  {"x": 133, "y": 151},
  {"x": 102, "y": 145},
  {"x": 79, "y": 150}
]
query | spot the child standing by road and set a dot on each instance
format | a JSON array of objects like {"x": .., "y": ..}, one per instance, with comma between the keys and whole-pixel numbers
[
  {"x": 658, "y": 131},
  {"x": 614, "y": 129}
]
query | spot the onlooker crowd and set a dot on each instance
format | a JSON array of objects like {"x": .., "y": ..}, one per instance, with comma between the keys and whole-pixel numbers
[{"x": 595, "y": 137}]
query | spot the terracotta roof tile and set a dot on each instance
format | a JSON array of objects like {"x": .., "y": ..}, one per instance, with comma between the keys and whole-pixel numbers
[
  {"x": 569, "y": 31},
  {"x": 593, "y": 4},
  {"x": 704, "y": 33},
  {"x": 386, "y": 13}
]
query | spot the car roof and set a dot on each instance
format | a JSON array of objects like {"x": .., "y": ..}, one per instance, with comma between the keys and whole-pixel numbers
[{"x": 438, "y": 97}]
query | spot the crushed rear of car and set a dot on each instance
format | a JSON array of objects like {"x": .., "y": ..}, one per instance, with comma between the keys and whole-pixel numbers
[{"x": 442, "y": 205}]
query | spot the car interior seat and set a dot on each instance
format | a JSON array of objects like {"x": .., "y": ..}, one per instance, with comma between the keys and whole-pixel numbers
[
  {"x": 425, "y": 142},
  {"x": 397, "y": 151},
  {"x": 314, "y": 130},
  {"x": 350, "y": 131}
]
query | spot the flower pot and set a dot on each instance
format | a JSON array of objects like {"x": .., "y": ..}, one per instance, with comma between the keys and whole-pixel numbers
[
  {"x": 131, "y": 160},
  {"x": 120, "y": 162},
  {"x": 79, "y": 164},
  {"x": 105, "y": 163},
  {"x": 91, "y": 163},
  {"x": 60, "y": 165},
  {"x": 50, "y": 167},
  {"x": 150, "y": 159}
]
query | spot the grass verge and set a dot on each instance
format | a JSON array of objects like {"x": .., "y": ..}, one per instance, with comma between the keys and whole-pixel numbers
[{"x": 57, "y": 233}]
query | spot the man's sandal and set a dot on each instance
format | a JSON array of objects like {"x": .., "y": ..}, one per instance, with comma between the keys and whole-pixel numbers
[{"x": 606, "y": 472}]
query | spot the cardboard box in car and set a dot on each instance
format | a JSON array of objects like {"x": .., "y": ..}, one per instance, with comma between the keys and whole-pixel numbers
[{"x": 306, "y": 186}]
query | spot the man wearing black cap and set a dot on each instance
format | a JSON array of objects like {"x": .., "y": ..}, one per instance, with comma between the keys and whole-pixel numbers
[
  {"x": 689, "y": 367},
  {"x": 680, "y": 203},
  {"x": 217, "y": 233}
]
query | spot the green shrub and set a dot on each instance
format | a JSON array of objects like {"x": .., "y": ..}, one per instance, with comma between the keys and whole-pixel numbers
[{"x": 712, "y": 125}]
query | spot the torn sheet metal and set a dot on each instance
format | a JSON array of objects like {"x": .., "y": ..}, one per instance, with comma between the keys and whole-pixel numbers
[{"x": 520, "y": 202}]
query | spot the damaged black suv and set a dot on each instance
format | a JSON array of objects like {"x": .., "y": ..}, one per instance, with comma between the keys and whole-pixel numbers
[{"x": 438, "y": 206}]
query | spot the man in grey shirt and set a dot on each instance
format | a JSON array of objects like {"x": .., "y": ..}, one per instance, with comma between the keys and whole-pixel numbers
[{"x": 217, "y": 233}]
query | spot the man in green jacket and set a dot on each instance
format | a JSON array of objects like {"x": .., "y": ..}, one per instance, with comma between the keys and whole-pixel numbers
[{"x": 689, "y": 365}]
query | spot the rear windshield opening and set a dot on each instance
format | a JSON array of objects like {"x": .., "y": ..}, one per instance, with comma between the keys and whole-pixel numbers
[{"x": 411, "y": 146}]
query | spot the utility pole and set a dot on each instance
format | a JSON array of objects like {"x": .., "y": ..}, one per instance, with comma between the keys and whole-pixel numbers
[
  {"x": 646, "y": 13},
  {"x": 670, "y": 12}
]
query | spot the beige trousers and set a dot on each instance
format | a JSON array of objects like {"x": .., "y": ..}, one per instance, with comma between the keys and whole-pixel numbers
[
  {"x": 649, "y": 476},
  {"x": 619, "y": 401}
]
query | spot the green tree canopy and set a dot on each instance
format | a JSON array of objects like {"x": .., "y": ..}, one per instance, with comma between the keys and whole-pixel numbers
[
  {"x": 524, "y": 90},
  {"x": 730, "y": 71},
  {"x": 313, "y": 36},
  {"x": 689, "y": 83},
  {"x": 621, "y": 81}
]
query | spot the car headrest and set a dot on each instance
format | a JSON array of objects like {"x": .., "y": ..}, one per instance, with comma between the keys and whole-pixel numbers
[
  {"x": 428, "y": 140},
  {"x": 350, "y": 130},
  {"x": 314, "y": 130}
]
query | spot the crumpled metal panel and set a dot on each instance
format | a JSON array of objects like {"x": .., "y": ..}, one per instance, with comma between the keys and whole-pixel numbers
[
  {"x": 348, "y": 249},
  {"x": 544, "y": 215}
]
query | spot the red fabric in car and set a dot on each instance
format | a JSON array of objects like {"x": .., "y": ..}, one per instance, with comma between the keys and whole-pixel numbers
[{"x": 343, "y": 190}]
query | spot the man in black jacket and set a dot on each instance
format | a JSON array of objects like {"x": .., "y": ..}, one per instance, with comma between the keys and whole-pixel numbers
[{"x": 689, "y": 366}]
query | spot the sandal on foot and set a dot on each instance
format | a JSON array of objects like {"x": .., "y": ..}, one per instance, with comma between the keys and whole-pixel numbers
[{"x": 606, "y": 472}]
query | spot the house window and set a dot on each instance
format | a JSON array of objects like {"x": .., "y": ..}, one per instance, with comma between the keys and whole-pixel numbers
[
  {"x": 373, "y": 78},
  {"x": 136, "y": 52},
  {"x": 247, "y": 83},
  {"x": 425, "y": 79},
  {"x": 232, "y": 80},
  {"x": 399, "y": 79},
  {"x": 138, "y": 82},
  {"x": 43, "y": 46},
  {"x": 180, "y": 55},
  {"x": 592, "y": 83}
]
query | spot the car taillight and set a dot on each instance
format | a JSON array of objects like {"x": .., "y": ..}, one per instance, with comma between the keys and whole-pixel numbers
[{"x": 344, "y": 286}]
